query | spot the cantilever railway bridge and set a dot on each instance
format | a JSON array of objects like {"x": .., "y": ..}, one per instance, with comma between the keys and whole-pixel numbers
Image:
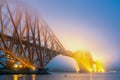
[{"x": 25, "y": 38}]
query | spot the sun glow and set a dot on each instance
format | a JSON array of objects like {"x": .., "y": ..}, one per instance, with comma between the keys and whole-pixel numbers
[{"x": 87, "y": 63}]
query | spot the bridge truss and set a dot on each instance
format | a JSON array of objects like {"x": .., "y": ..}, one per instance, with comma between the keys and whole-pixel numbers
[{"x": 25, "y": 38}]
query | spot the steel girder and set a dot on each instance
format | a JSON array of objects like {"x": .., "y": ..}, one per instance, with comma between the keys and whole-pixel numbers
[{"x": 26, "y": 38}]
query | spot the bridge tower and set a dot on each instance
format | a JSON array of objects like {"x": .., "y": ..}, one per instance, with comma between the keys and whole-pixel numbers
[{"x": 25, "y": 38}]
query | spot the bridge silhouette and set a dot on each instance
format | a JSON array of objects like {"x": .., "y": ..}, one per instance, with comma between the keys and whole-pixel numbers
[{"x": 25, "y": 38}]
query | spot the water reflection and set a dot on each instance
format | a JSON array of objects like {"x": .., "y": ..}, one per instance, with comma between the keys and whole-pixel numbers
[
  {"x": 61, "y": 76},
  {"x": 24, "y": 77},
  {"x": 15, "y": 77},
  {"x": 19, "y": 77},
  {"x": 33, "y": 76},
  {"x": 91, "y": 76}
]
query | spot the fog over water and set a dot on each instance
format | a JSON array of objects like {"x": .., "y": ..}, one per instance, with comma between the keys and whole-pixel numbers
[{"x": 62, "y": 64}]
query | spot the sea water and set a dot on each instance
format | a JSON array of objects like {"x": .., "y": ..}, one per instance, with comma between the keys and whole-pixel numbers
[{"x": 63, "y": 76}]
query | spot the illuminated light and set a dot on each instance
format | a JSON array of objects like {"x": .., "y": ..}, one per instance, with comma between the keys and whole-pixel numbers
[
  {"x": 90, "y": 70},
  {"x": 94, "y": 67},
  {"x": 33, "y": 77},
  {"x": 102, "y": 70},
  {"x": 15, "y": 66},
  {"x": 85, "y": 59},
  {"x": 15, "y": 77},
  {"x": 33, "y": 68},
  {"x": 77, "y": 69},
  {"x": 99, "y": 66},
  {"x": 99, "y": 70},
  {"x": 20, "y": 66}
]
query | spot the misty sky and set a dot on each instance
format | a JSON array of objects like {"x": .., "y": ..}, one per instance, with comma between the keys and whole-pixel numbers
[{"x": 92, "y": 25}]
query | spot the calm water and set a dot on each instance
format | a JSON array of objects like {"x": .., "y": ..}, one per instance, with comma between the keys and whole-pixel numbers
[{"x": 64, "y": 76}]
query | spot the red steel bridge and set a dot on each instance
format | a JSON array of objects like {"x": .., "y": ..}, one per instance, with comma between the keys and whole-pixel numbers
[{"x": 25, "y": 38}]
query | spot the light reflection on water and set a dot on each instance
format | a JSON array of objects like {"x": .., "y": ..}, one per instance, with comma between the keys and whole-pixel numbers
[
  {"x": 64, "y": 76},
  {"x": 21, "y": 77},
  {"x": 15, "y": 77},
  {"x": 33, "y": 76},
  {"x": 18, "y": 77},
  {"x": 91, "y": 77}
]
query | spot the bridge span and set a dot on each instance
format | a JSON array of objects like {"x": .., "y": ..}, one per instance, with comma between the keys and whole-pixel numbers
[{"x": 25, "y": 38}]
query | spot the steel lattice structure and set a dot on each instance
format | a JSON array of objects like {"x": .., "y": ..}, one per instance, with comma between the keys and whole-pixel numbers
[{"x": 26, "y": 38}]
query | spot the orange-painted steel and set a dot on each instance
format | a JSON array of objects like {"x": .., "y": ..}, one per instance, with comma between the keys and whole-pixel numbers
[{"x": 26, "y": 38}]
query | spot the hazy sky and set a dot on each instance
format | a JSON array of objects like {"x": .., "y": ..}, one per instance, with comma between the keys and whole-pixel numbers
[{"x": 92, "y": 25}]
